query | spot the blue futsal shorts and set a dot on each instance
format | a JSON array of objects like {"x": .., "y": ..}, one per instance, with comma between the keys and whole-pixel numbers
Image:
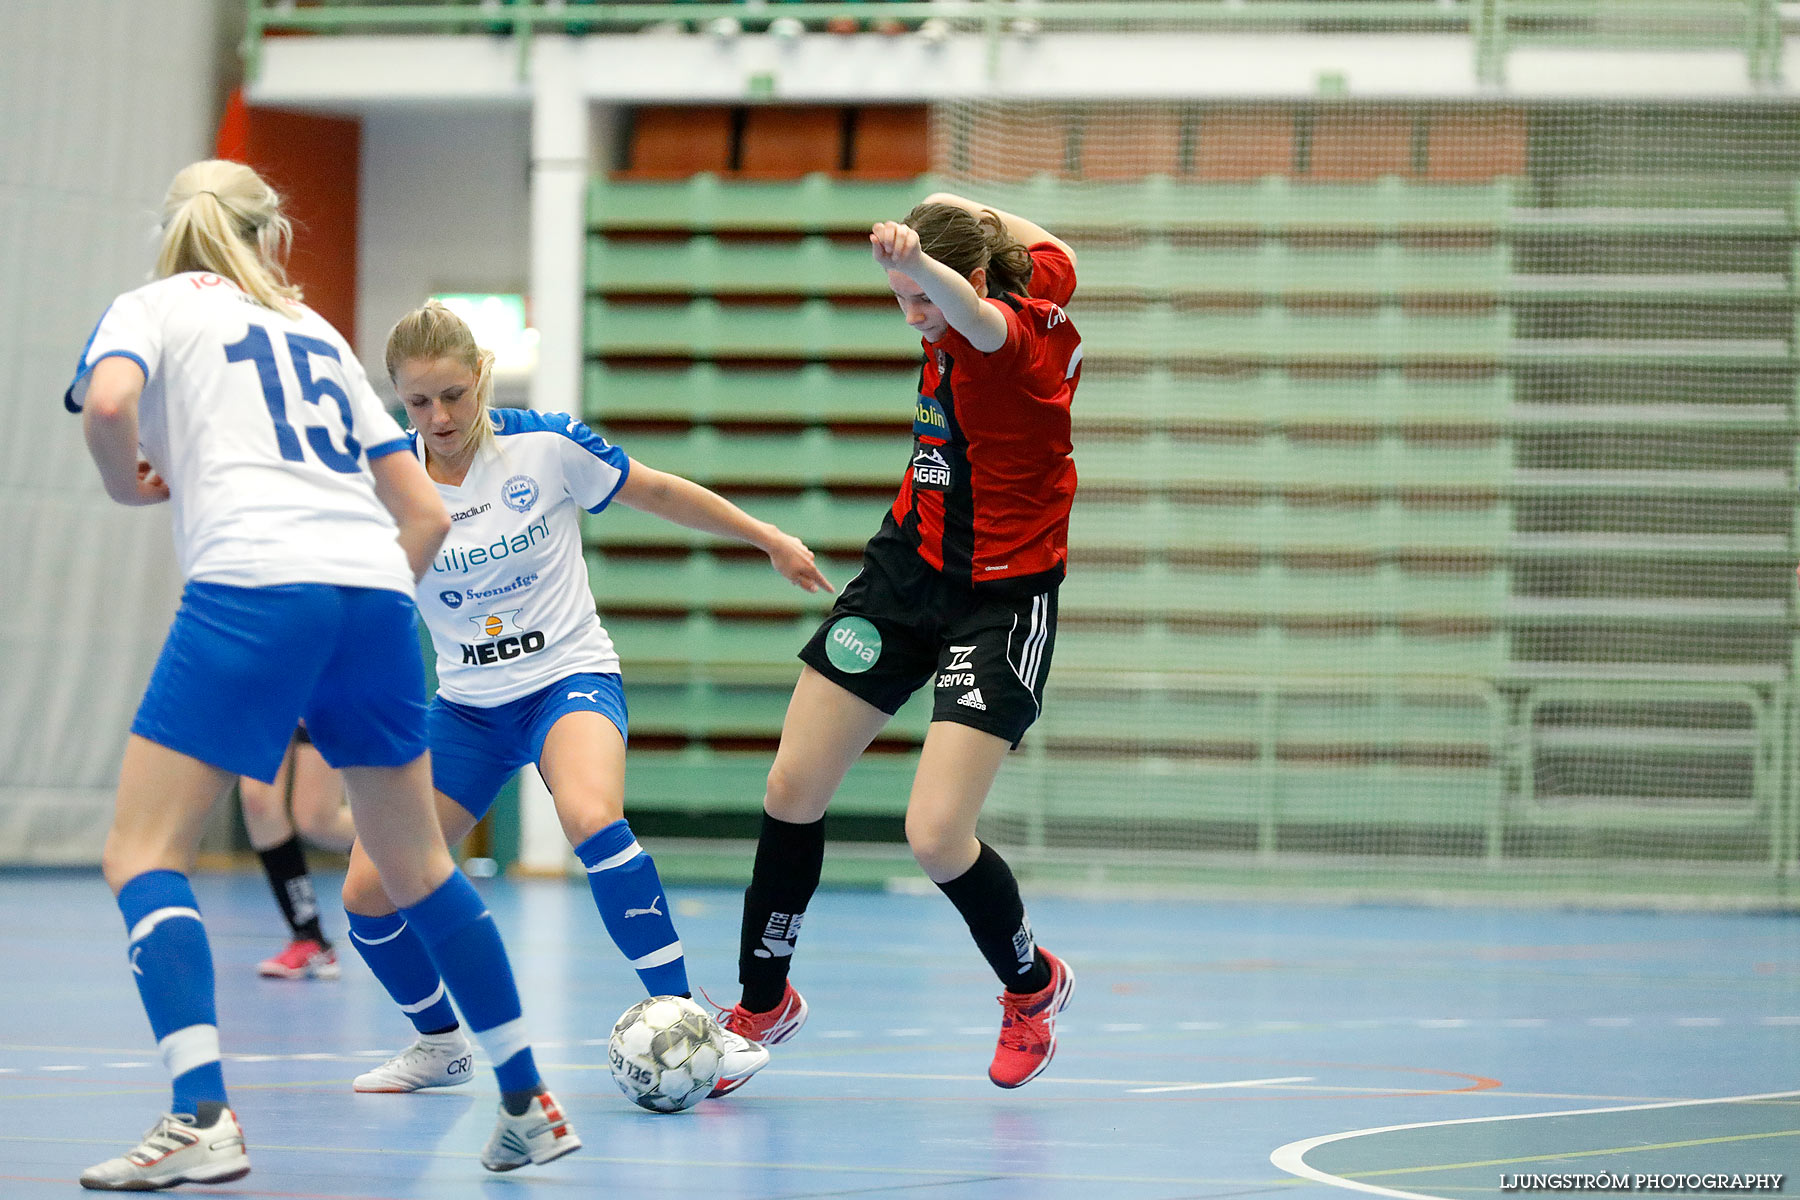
[
  {"x": 474, "y": 751},
  {"x": 241, "y": 666}
]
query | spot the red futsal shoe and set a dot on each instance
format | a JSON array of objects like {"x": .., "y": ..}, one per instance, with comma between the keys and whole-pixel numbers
[
  {"x": 1028, "y": 1027},
  {"x": 770, "y": 1028},
  {"x": 302, "y": 959}
]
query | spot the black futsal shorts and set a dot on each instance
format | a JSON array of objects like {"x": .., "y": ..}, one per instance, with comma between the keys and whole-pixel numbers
[{"x": 899, "y": 622}]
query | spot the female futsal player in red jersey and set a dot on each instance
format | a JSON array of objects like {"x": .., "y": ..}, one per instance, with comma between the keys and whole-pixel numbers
[{"x": 960, "y": 582}]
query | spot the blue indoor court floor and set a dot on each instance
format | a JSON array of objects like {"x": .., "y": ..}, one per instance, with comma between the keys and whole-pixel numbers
[{"x": 1210, "y": 1050}]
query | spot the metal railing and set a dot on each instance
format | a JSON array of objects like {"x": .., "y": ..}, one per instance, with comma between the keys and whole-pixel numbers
[{"x": 1496, "y": 26}]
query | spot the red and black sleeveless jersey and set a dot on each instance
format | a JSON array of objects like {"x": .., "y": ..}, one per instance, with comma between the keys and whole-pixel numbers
[{"x": 986, "y": 500}]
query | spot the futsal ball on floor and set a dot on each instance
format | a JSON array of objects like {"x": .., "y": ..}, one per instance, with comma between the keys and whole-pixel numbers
[{"x": 664, "y": 1054}]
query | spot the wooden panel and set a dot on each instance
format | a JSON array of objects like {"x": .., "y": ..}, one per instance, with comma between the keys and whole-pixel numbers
[
  {"x": 1361, "y": 144},
  {"x": 1245, "y": 144},
  {"x": 1476, "y": 146},
  {"x": 1130, "y": 144},
  {"x": 787, "y": 143},
  {"x": 673, "y": 143},
  {"x": 890, "y": 143}
]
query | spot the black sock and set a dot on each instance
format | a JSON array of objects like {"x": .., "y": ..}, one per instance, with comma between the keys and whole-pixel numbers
[
  {"x": 517, "y": 1103},
  {"x": 988, "y": 897},
  {"x": 789, "y": 858},
  {"x": 207, "y": 1113},
  {"x": 285, "y": 865}
]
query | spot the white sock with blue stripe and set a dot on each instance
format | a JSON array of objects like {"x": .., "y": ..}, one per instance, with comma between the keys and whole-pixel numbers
[
  {"x": 172, "y": 964},
  {"x": 629, "y": 895}
]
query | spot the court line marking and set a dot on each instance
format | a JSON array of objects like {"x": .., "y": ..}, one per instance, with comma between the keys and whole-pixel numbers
[
  {"x": 1233, "y": 1083},
  {"x": 1529, "y": 1158},
  {"x": 1292, "y": 1157}
]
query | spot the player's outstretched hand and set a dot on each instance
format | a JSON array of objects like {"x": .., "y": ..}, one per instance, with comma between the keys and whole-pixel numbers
[
  {"x": 789, "y": 555},
  {"x": 150, "y": 486},
  {"x": 895, "y": 246}
]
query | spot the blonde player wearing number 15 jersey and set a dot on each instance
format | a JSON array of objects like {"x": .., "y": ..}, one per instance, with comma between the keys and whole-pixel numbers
[{"x": 300, "y": 524}]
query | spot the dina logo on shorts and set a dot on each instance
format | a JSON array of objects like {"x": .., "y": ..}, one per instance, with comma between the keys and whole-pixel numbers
[
  {"x": 853, "y": 645},
  {"x": 520, "y": 493},
  {"x": 451, "y": 599}
]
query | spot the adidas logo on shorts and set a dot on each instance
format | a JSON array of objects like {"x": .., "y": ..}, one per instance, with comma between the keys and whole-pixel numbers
[{"x": 972, "y": 698}]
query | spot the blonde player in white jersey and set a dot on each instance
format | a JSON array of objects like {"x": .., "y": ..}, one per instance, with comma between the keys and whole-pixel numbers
[
  {"x": 526, "y": 672},
  {"x": 300, "y": 524}
]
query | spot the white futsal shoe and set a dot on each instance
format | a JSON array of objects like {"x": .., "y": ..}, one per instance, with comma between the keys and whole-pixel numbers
[
  {"x": 175, "y": 1151},
  {"x": 739, "y": 1059},
  {"x": 435, "y": 1060},
  {"x": 540, "y": 1135}
]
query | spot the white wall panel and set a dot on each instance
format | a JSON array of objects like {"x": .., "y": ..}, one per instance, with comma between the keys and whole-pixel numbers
[
  {"x": 445, "y": 207},
  {"x": 103, "y": 102}
]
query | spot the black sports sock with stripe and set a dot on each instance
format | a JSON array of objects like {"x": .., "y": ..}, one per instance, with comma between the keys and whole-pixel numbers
[
  {"x": 789, "y": 859},
  {"x": 285, "y": 865},
  {"x": 988, "y": 897}
]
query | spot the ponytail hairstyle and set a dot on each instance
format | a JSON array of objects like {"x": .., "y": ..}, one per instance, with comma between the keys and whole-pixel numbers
[
  {"x": 221, "y": 217},
  {"x": 431, "y": 332},
  {"x": 964, "y": 241}
]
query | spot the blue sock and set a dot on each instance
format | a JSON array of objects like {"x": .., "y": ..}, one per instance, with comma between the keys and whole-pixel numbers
[
  {"x": 398, "y": 959},
  {"x": 630, "y": 898},
  {"x": 173, "y": 966},
  {"x": 455, "y": 928}
]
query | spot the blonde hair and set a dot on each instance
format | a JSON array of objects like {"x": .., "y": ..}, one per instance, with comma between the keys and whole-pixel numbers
[
  {"x": 222, "y": 217},
  {"x": 431, "y": 332}
]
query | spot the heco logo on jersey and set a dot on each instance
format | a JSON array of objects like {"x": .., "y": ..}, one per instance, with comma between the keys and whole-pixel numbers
[
  {"x": 458, "y": 559},
  {"x": 510, "y": 642}
]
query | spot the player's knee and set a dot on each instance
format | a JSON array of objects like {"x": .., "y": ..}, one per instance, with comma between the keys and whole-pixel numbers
[
  {"x": 363, "y": 892},
  {"x": 937, "y": 848},
  {"x": 790, "y": 797},
  {"x": 262, "y": 802},
  {"x": 117, "y": 866},
  {"x": 316, "y": 826}
]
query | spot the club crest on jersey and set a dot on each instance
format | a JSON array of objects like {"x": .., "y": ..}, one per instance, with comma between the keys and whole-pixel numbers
[
  {"x": 509, "y": 639},
  {"x": 943, "y": 362},
  {"x": 520, "y": 493},
  {"x": 451, "y": 599},
  {"x": 931, "y": 470}
]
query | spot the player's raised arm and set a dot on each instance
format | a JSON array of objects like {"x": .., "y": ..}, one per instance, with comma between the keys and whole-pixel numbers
[
  {"x": 958, "y": 299},
  {"x": 687, "y": 503}
]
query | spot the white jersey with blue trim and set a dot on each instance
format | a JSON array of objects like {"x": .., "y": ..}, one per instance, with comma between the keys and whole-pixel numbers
[
  {"x": 507, "y": 599},
  {"x": 263, "y": 426}
]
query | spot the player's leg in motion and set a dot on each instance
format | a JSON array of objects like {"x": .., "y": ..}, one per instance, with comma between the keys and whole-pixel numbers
[
  {"x": 441, "y": 1056},
  {"x": 277, "y": 845},
  {"x": 163, "y": 801},
  {"x": 583, "y": 764},
  {"x": 400, "y": 834},
  {"x": 825, "y": 730},
  {"x": 956, "y": 769}
]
